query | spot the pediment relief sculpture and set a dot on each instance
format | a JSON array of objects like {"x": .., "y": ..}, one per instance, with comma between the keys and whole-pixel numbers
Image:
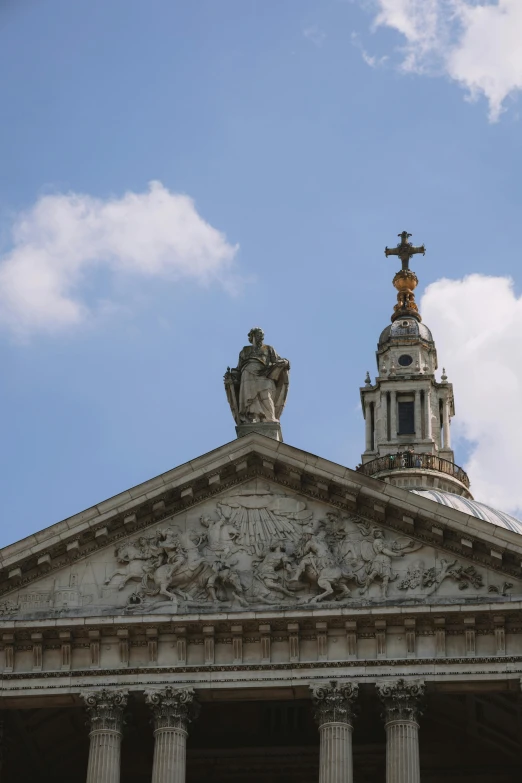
[
  {"x": 260, "y": 547},
  {"x": 256, "y": 547}
]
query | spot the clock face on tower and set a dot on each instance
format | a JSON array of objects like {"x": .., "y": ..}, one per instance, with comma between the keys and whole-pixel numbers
[{"x": 405, "y": 360}]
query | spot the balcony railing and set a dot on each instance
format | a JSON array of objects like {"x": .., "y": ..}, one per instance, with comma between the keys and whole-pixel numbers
[{"x": 409, "y": 460}]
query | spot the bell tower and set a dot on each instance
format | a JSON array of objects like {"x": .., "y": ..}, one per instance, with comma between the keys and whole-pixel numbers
[{"x": 406, "y": 410}]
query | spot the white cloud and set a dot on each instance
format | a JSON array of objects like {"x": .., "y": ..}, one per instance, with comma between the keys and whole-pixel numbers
[
  {"x": 474, "y": 42},
  {"x": 477, "y": 326},
  {"x": 64, "y": 237},
  {"x": 315, "y": 35}
]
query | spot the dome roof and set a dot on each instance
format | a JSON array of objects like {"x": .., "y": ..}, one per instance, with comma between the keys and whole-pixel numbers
[
  {"x": 472, "y": 508},
  {"x": 408, "y": 328}
]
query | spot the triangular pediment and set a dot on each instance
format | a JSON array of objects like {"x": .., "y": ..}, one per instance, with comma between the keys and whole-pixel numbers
[{"x": 257, "y": 524}]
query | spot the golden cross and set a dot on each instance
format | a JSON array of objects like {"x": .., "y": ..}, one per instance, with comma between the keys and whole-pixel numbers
[{"x": 405, "y": 250}]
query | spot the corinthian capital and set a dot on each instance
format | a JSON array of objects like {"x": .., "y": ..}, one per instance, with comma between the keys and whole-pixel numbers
[
  {"x": 402, "y": 699},
  {"x": 105, "y": 709},
  {"x": 334, "y": 701},
  {"x": 173, "y": 708}
]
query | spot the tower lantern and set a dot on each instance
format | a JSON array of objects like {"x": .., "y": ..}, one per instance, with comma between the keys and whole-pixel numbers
[{"x": 407, "y": 411}]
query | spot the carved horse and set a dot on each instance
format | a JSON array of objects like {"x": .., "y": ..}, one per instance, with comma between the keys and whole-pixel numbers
[
  {"x": 319, "y": 568},
  {"x": 133, "y": 564}
]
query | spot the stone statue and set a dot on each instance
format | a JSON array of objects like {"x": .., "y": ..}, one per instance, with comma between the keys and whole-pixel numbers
[{"x": 258, "y": 386}]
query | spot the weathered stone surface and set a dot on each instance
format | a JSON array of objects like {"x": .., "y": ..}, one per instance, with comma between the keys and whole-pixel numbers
[
  {"x": 252, "y": 546},
  {"x": 105, "y": 709},
  {"x": 173, "y": 710},
  {"x": 334, "y": 713},
  {"x": 334, "y": 701},
  {"x": 257, "y": 388},
  {"x": 403, "y": 701}
]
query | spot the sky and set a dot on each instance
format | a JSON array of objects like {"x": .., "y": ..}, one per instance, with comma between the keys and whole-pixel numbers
[{"x": 173, "y": 173}]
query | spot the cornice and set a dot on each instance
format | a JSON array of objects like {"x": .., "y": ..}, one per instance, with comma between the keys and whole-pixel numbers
[{"x": 443, "y": 670}]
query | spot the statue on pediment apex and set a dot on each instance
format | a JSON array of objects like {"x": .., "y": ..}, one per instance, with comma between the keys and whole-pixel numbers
[{"x": 258, "y": 386}]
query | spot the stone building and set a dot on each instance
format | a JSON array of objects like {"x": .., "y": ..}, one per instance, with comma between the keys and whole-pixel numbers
[{"x": 262, "y": 614}]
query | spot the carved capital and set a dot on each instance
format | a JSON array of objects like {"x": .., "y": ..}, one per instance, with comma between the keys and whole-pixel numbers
[
  {"x": 402, "y": 699},
  {"x": 105, "y": 709},
  {"x": 334, "y": 701},
  {"x": 173, "y": 708}
]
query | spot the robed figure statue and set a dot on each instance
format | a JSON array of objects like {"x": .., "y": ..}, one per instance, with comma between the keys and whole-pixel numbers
[{"x": 257, "y": 387}]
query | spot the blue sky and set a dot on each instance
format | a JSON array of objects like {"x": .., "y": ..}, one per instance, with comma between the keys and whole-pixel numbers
[{"x": 306, "y": 137}]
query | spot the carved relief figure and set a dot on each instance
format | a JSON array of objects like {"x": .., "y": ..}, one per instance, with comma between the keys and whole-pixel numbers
[
  {"x": 319, "y": 567},
  {"x": 258, "y": 386},
  {"x": 379, "y": 557},
  {"x": 272, "y": 572},
  {"x": 221, "y": 535},
  {"x": 227, "y": 578}
]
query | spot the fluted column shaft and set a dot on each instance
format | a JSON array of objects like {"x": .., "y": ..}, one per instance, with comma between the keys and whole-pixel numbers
[
  {"x": 173, "y": 709},
  {"x": 170, "y": 756},
  {"x": 402, "y": 752},
  {"x": 105, "y": 709},
  {"x": 334, "y": 703},
  {"x": 402, "y": 701},
  {"x": 104, "y": 757},
  {"x": 335, "y": 753}
]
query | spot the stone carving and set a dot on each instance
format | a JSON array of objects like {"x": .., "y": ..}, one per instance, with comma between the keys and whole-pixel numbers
[
  {"x": 502, "y": 589},
  {"x": 173, "y": 708},
  {"x": 261, "y": 517},
  {"x": 172, "y": 564},
  {"x": 105, "y": 709},
  {"x": 257, "y": 388},
  {"x": 272, "y": 572},
  {"x": 402, "y": 699},
  {"x": 8, "y": 608},
  {"x": 263, "y": 547},
  {"x": 334, "y": 701},
  {"x": 319, "y": 567},
  {"x": 432, "y": 578},
  {"x": 379, "y": 557}
]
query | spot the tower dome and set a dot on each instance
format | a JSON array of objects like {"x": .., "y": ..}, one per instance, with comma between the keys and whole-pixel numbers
[{"x": 407, "y": 410}]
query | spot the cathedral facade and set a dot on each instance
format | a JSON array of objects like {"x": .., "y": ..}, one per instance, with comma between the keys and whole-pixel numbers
[{"x": 262, "y": 614}]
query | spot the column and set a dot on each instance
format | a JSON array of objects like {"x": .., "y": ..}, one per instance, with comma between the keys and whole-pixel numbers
[
  {"x": 393, "y": 415},
  {"x": 172, "y": 709},
  {"x": 105, "y": 709},
  {"x": 402, "y": 701},
  {"x": 429, "y": 429},
  {"x": 333, "y": 704},
  {"x": 418, "y": 415},
  {"x": 446, "y": 424},
  {"x": 368, "y": 422}
]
